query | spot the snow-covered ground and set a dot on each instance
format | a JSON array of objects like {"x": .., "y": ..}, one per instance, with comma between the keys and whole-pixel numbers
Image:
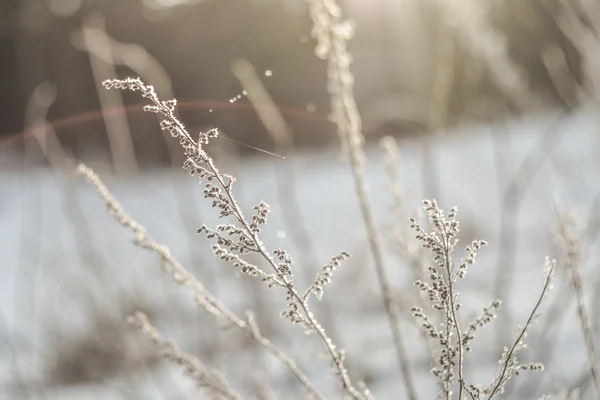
[{"x": 69, "y": 272}]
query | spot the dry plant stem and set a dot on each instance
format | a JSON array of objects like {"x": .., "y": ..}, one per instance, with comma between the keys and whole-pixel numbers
[
  {"x": 451, "y": 309},
  {"x": 211, "y": 381},
  {"x": 230, "y": 207},
  {"x": 332, "y": 34},
  {"x": 234, "y": 207},
  {"x": 356, "y": 154},
  {"x": 451, "y": 298},
  {"x": 547, "y": 337},
  {"x": 333, "y": 352},
  {"x": 504, "y": 368},
  {"x": 573, "y": 255},
  {"x": 441, "y": 291},
  {"x": 182, "y": 276}
]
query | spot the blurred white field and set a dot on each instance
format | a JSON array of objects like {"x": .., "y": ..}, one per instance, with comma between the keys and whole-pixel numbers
[{"x": 65, "y": 260}]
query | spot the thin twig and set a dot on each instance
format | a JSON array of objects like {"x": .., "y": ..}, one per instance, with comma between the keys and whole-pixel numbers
[
  {"x": 506, "y": 367},
  {"x": 332, "y": 34},
  {"x": 452, "y": 305}
]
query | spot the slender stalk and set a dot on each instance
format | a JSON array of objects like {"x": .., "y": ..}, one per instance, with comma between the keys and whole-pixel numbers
[
  {"x": 505, "y": 366},
  {"x": 236, "y": 211},
  {"x": 452, "y": 305},
  {"x": 332, "y": 34},
  {"x": 333, "y": 352}
]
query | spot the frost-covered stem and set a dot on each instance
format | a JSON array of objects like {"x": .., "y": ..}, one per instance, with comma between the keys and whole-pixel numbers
[
  {"x": 500, "y": 381},
  {"x": 452, "y": 305},
  {"x": 333, "y": 352},
  {"x": 335, "y": 355},
  {"x": 239, "y": 216},
  {"x": 375, "y": 245},
  {"x": 332, "y": 34},
  {"x": 185, "y": 278}
]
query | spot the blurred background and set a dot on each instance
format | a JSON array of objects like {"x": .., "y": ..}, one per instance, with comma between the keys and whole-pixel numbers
[{"x": 493, "y": 106}]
